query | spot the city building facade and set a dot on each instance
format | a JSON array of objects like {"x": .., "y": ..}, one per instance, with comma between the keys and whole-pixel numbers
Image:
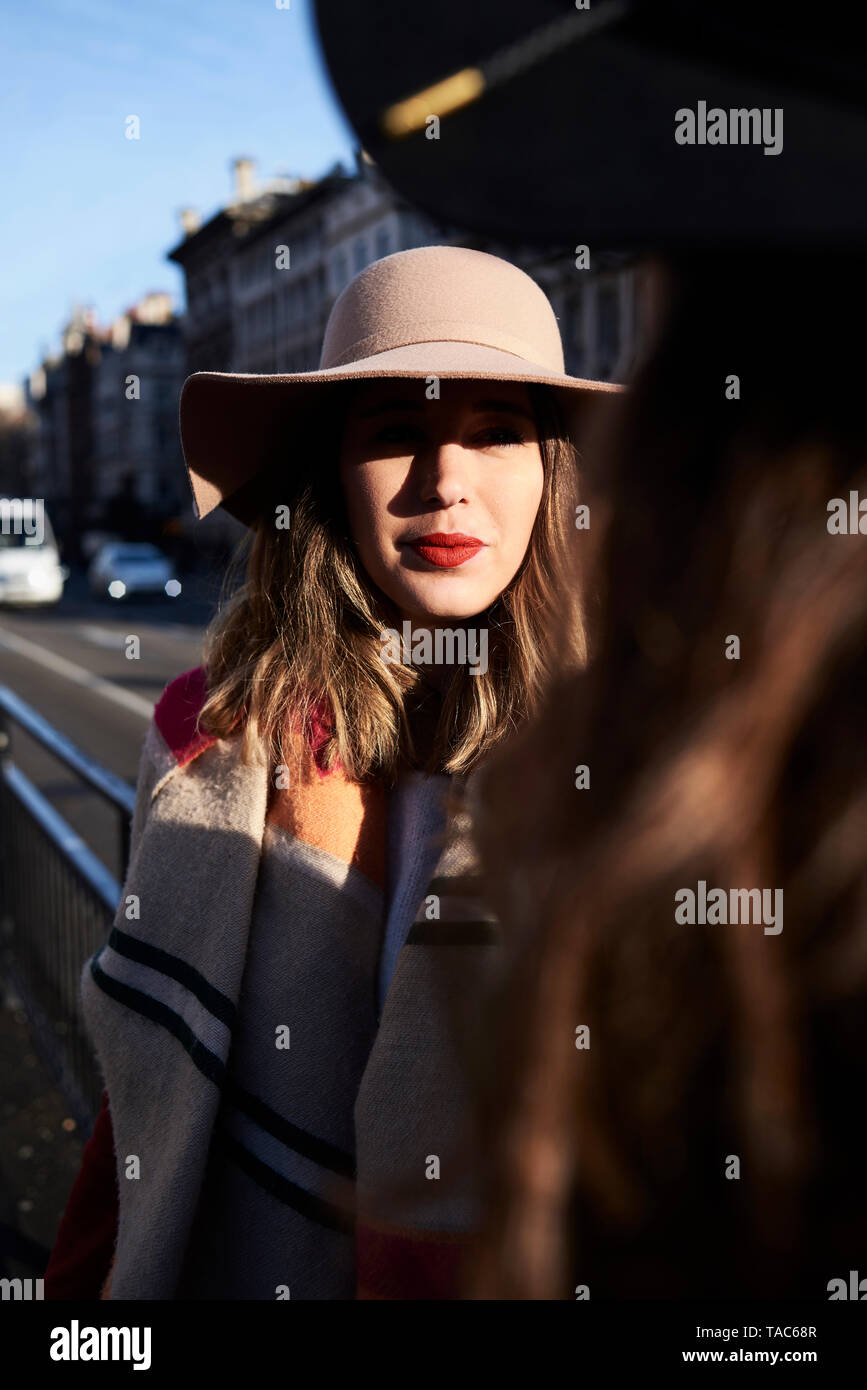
[{"x": 260, "y": 279}]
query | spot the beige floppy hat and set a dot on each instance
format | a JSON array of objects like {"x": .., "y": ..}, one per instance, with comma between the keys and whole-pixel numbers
[{"x": 441, "y": 311}]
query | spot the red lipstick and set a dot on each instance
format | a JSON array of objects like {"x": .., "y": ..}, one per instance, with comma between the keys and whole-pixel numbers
[{"x": 446, "y": 549}]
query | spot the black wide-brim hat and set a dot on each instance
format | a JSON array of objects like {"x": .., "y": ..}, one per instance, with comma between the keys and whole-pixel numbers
[{"x": 560, "y": 125}]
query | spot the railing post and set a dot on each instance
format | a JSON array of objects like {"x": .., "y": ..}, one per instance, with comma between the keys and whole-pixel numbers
[
  {"x": 57, "y": 899},
  {"x": 5, "y": 756}
]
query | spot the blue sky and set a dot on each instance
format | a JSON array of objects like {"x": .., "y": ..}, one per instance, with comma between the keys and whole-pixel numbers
[{"x": 88, "y": 215}]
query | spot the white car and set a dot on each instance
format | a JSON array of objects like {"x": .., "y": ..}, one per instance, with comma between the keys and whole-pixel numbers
[
  {"x": 126, "y": 568},
  {"x": 30, "y": 568}
]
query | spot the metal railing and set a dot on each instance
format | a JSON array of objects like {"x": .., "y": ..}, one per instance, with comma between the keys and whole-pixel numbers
[{"x": 57, "y": 900}]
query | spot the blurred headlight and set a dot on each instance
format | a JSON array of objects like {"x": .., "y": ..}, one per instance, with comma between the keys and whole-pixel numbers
[
  {"x": 117, "y": 588},
  {"x": 173, "y": 588}
]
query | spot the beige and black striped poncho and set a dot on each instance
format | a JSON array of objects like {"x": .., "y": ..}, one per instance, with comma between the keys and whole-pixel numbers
[{"x": 282, "y": 1016}]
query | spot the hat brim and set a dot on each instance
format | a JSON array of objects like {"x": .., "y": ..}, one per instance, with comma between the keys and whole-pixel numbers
[
  {"x": 234, "y": 424},
  {"x": 578, "y": 132}
]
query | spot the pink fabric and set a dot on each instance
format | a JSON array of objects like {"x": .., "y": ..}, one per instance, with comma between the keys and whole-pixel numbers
[
  {"x": 178, "y": 708},
  {"x": 84, "y": 1246},
  {"x": 176, "y": 713},
  {"x": 320, "y": 732}
]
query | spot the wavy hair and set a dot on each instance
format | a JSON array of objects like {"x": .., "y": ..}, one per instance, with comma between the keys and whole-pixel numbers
[
  {"x": 607, "y": 1166},
  {"x": 301, "y": 635}
]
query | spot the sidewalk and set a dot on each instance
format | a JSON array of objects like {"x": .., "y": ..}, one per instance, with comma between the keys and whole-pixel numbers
[{"x": 40, "y": 1148}]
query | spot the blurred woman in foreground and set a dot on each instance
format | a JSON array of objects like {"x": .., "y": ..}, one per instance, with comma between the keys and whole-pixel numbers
[{"x": 704, "y": 1136}]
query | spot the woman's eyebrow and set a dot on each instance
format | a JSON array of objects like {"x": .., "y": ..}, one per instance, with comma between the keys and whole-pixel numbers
[{"x": 507, "y": 407}]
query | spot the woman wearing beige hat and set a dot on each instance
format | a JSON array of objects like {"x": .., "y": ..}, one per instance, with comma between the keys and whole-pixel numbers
[{"x": 282, "y": 1005}]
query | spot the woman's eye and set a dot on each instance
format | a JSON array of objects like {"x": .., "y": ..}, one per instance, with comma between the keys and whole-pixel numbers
[
  {"x": 494, "y": 436},
  {"x": 503, "y": 434}
]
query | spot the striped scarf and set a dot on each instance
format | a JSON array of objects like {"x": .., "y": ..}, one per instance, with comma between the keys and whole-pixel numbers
[{"x": 162, "y": 1001}]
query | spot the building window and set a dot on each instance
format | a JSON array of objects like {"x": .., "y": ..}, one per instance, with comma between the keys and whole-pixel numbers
[
  {"x": 383, "y": 243},
  {"x": 359, "y": 254}
]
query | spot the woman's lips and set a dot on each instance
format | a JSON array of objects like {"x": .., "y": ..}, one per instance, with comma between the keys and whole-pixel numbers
[{"x": 447, "y": 556}]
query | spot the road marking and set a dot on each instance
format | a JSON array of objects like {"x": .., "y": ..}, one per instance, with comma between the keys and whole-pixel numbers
[
  {"x": 114, "y": 639},
  {"x": 103, "y": 637},
  {"x": 77, "y": 674},
  {"x": 183, "y": 632}
]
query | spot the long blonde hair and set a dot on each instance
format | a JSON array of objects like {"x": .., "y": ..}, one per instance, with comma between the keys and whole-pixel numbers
[{"x": 302, "y": 633}]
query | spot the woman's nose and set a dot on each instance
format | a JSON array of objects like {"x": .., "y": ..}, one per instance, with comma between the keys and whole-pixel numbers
[{"x": 444, "y": 473}]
